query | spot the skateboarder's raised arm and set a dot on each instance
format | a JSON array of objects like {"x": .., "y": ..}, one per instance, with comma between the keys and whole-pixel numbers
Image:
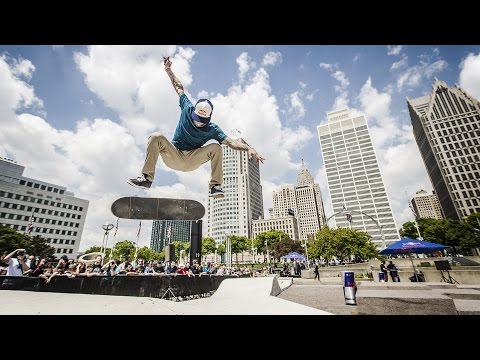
[
  {"x": 177, "y": 85},
  {"x": 238, "y": 145}
]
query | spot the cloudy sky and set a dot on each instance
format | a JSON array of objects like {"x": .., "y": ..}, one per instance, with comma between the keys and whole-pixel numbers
[{"x": 79, "y": 116}]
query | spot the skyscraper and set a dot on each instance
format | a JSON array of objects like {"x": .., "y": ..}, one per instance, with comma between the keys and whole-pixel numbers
[
  {"x": 358, "y": 195},
  {"x": 304, "y": 199},
  {"x": 166, "y": 231},
  {"x": 243, "y": 201},
  {"x": 427, "y": 205},
  {"x": 41, "y": 208},
  {"x": 446, "y": 126}
]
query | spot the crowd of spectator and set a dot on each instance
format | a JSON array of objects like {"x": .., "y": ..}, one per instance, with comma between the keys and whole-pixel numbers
[{"x": 19, "y": 263}]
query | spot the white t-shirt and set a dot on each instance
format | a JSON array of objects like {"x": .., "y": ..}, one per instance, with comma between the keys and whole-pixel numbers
[{"x": 13, "y": 268}]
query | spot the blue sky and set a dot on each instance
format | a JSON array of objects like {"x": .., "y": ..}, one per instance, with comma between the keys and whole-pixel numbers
[{"x": 79, "y": 116}]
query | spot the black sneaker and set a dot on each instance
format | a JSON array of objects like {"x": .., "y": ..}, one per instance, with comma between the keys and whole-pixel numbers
[
  {"x": 141, "y": 182},
  {"x": 216, "y": 191}
]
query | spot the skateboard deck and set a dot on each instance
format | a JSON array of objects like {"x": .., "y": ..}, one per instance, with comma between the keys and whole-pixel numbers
[{"x": 143, "y": 208}]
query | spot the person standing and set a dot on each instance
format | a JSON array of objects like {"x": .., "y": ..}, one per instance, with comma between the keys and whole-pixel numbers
[
  {"x": 384, "y": 270},
  {"x": 393, "y": 271},
  {"x": 16, "y": 266},
  {"x": 317, "y": 273}
]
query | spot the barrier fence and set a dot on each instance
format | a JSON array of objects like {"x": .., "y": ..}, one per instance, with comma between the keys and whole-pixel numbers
[{"x": 123, "y": 285}]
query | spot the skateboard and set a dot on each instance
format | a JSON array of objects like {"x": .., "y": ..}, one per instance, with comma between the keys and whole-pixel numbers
[{"x": 143, "y": 208}]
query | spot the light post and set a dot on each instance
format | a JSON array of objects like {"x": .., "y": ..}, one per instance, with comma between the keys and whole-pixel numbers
[
  {"x": 181, "y": 251},
  {"x": 228, "y": 258},
  {"x": 107, "y": 227},
  {"x": 268, "y": 255},
  {"x": 306, "y": 253}
]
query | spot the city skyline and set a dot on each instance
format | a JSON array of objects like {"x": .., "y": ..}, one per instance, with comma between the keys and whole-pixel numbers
[{"x": 80, "y": 116}]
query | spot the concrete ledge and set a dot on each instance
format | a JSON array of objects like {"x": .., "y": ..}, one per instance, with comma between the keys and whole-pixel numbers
[
  {"x": 468, "y": 286},
  {"x": 467, "y": 307},
  {"x": 369, "y": 285},
  {"x": 465, "y": 294},
  {"x": 440, "y": 285},
  {"x": 403, "y": 302},
  {"x": 284, "y": 282}
]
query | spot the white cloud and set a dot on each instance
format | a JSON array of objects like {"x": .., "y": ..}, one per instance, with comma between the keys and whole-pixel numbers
[
  {"x": 469, "y": 78},
  {"x": 326, "y": 66},
  {"x": 414, "y": 75},
  {"x": 15, "y": 92},
  {"x": 302, "y": 85},
  {"x": 55, "y": 47},
  {"x": 355, "y": 58},
  {"x": 403, "y": 62},
  {"x": 341, "y": 101},
  {"x": 295, "y": 105},
  {"x": 311, "y": 96},
  {"x": 342, "y": 79},
  {"x": 272, "y": 58},
  {"x": 244, "y": 65},
  {"x": 394, "y": 50}
]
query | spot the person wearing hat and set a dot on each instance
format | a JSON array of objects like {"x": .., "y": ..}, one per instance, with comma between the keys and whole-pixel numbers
[{"x": 186, "y": 151}]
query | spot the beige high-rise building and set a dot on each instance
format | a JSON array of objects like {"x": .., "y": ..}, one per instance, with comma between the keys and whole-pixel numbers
[
  {"x": 304, "y": 201},
  {"x": 287, "y": 224},
  {"x": 354, "y": 178},
  {"x": 427, "y": 205},
  {"x": 446, "y": 126},
  {"x": 243, "y": 201}
]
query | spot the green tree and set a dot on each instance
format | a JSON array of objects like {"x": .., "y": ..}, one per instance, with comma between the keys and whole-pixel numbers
[
  {"x": 461, "y": 236},
  {"x": 93, "y": 249},
  {"x": 208, "y": 246},
  {"x": 342, "y": 244},
  {"x": 239, "y": 244},
  {"x": 409, "y": 230},
  {"x": 221, "y": 250},
  {"x": 285, "y": 246},
  {"x": 268, "y": 238},
  {"x": 39, "y": 247},
  {"x": 147, "y": 254},
  {"x": 10, "y": 239},
  {"x": 123, "y": 250}
]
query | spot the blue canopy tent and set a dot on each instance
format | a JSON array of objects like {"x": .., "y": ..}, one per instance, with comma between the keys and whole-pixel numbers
[
  {"x": 412, "y": 246},
  {"x": 293, "y": 256}
]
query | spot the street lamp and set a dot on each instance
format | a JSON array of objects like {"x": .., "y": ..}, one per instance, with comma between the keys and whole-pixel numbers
[
  {"x": 306, "y": 252},
  {"x": 181, "y": 251},
  {"x": 228, "y": 253},
  {"x": 107, "y": 227},
  {"x": 268, "y": 255}
]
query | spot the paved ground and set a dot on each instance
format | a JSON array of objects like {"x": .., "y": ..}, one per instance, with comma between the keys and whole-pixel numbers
[
  {"x": 249, "y": 296},
  {"x": 326, "y": 295}
]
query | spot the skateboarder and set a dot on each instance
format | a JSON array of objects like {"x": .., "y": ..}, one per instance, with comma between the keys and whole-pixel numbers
[{"x": 186, "y": 151}]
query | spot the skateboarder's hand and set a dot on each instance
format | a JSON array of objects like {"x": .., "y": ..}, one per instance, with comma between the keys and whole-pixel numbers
[
  {"x": 253, "y": 153},
  {"x": 167, "y": 62}
]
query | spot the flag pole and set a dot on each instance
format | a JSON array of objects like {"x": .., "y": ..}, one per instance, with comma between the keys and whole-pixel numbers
[
  {"x": 114, "y": 235},
  {"x": 136, "y": 245}
]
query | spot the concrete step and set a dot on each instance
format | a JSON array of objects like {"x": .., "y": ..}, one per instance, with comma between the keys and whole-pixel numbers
[{"x": 467, "y": 307}]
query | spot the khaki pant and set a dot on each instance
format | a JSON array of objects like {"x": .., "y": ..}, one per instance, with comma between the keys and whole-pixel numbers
[{"x": 182, "y": 160}]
